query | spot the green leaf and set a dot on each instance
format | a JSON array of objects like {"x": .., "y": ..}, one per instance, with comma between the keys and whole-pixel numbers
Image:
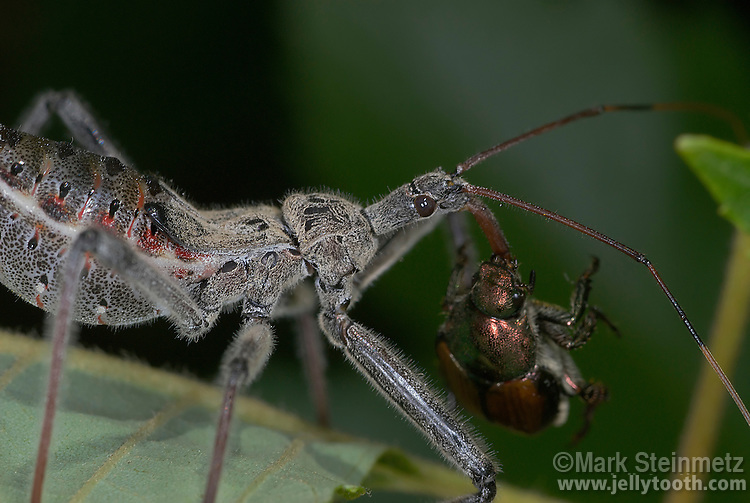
[
  {"x": 724, "y": 168},
  {"x": 127, "y": 432}
]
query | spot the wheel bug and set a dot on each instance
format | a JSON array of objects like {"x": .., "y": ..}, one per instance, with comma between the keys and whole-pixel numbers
[{"x": 91, "y": 240}]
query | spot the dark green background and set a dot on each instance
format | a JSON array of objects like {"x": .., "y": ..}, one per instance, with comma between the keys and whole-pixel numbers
[{"x": 238, "y": 103}]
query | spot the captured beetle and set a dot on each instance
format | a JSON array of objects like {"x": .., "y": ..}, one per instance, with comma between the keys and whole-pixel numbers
[{"x": 505, "y": 355}]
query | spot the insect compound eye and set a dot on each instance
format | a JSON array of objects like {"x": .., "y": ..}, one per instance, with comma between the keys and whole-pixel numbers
[{"x": 425, "y": 205}]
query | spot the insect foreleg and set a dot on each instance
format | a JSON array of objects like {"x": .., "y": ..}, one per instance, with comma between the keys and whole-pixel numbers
[{"x": 396, "y": 380}]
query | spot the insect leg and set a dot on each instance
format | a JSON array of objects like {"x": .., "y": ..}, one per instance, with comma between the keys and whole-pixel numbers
[
  {"x": 312, "y": 355},
  {"x": 466, "y": 259},
  {"x": 571, "y": 329},
  {"x": 114, "y": 254},
  {"x": 399, "y": 382},
  {"x": 635, "y": 255},
  {"x": 301, "y": 305},
  {"x": 243, "y": 361},
  {"x": 592, "y": 394},
  {"x": 77, "y": 118}
]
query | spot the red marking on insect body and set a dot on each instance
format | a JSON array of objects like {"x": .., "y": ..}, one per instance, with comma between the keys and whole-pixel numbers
[
  {"x": 571, "y": 383},
  {"x": 39, "y": 302},
  {"x": 181, "y": 273},
  {"x": 157, "y": 243},
  {"x": 85, "y": 205},
  {"x": 151, "y": 242},
  {"x": 105, "y": 220},
  {"x": 185, "y": 254},
  {"x": 141, "y": 197},
  {"x": 56, "y": 209},
  {"x": 138, "y": 208},
  {"x": 11, "y": 176},
  {"x": 87, "y": 264}
]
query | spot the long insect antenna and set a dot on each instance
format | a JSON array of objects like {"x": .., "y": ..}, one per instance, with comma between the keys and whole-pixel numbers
[
  {"x": 630, "y": 252},
  {"x": 735, "y": 123}
]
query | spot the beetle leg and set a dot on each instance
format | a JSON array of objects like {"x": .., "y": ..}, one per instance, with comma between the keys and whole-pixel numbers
[
  {"x": 592, "y": 394},
  {"x": 572, "y": 329}
]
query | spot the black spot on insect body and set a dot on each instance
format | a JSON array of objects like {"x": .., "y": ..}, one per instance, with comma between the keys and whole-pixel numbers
[
  {"x": 156, "y": 213},
  {"x": 316, "y": 210},
  {"x": 64, "y": 190},
  {"x": 259, "y": 224},
  {"x": 44, "y": 280},
  {"x": 228, "y": 267},
  {"x": 9, "y": 137},
  {"x": 153, "y": 184},
  {"x": 33, "y": 242},
  {"x": 113, "y": 166},
  {"x": 65, "y": 150},
  {"x": 16, "y": 168},
  {"x": 113, "y": 207},
  {"x": 202, "y": 286}
]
